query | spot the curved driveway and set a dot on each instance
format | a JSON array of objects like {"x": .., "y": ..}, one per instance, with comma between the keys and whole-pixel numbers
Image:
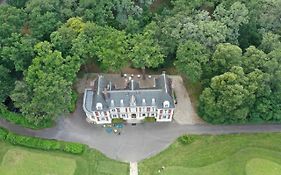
[{"x": 135, "y": 142}]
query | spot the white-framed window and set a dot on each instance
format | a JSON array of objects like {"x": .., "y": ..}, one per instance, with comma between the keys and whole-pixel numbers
[
  {"x": 102, "y": 118},
  {"x": 166, "y": 104},
  {"x": 143, "y": 115},
  {"x": 99, "y": 106},
  {"x": 114, "y": 116}
]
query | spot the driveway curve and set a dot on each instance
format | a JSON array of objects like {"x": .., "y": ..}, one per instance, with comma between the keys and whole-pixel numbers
[{"x": 135, "y": 142}]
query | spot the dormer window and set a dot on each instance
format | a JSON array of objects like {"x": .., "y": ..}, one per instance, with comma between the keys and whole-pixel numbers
[
  {"x": 143, "y": 101},
  {"x": 112, "y": 103},
  {"x": 166, "y": 104},
  {"x": 153, "y": 101},
  {"x": 122, "y": 102},
  {"x": 99, "y": 106}
]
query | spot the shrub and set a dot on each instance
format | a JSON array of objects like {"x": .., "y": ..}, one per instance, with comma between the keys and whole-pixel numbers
[
  {"x": 45, "y": 144},
  {"x": 185, "y": 139},
  {"x": 117, "y": 120},
  {"x": 75, "y": 148},
  {"x": 150, "y": 119},
  {"x": 19, "y": 119},
  {"x": 74, "y": 97},
  {"x": 3, "y": 133}
]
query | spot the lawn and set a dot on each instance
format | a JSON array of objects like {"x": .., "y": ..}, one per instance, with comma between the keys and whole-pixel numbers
[
  {"x": 239, "y": 154},
  {"x": 16, "y": 160}
]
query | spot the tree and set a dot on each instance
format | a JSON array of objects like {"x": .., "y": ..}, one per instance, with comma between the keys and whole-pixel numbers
[
  {"x": 233, "y": 18},
  {"x": 63, "y": 38},
  {"x": 269, "y": 16},
  {"x": 46, "y": 16},
  {"x": 11, "y": 20},
  {"x": 224, "y": 58},
  {"x": 197, "y": 26},
  {"x": 145, "y": 51},
  {"x": 270, "y": 42},
  {"x": 46, "y": 88},
  {"x": 116, "y": 13},
  {"x": 191, "y": 57},
  {"x": 19, "y": 50},
  {"x": 232, "y": 96},
  {"x": 17, "y": 3},
  {"x": 6, "y": 83},
  {"x": 227, "y": 99},
  {"x": 105, "y": 44},
  {"x": 254, "y": 59}
]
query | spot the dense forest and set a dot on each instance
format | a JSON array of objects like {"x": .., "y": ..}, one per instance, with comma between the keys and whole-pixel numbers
[{"x": 232, "y": 47}]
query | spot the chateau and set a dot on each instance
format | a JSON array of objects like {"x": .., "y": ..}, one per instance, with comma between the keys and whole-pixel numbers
[{"x": 104, "y": 101}]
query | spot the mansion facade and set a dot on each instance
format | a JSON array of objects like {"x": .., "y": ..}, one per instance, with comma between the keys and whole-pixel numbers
[{"x": 104, "y": 101}]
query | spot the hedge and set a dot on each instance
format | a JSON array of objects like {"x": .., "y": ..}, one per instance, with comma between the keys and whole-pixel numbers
[
  {"x": 74, "y": 97},
  {"x": 40, "y": 143},
  {"x": 21, "y": 120}
]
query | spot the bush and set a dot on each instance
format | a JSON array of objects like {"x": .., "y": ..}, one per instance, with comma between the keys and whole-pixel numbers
[
  {"x": 19, "y": 119},
  {"x": 117, "y": 120},
  {"x": 75, "y": 148},
  {"x": 74, "y": 97},
  {"x": 3, "y": 133},
  {"x": 185, "y": 139},
  {"x": 150, "y": 119},
  {"x": 45, "y": 144}
]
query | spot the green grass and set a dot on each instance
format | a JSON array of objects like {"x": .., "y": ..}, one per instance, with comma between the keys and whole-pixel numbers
[
  {"x": 25, "y": 161},
  {"x": 18, "y": 161},
  {"x": 241, "y": 154},
  {"x": 262, "y": 166}
]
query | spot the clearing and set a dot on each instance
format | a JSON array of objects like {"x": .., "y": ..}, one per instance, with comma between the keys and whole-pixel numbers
[{"x": 243, "y": 154}]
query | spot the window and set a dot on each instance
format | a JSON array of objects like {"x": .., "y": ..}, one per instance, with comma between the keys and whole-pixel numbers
[
  {"x": 102, "y": 118},
  {"x": 96, "y": 113},
  {"x": 113, "y": 110},
  {"x": 143, "y": 115},
  {"x": 152, "y": 114},
  {"x": 99, "y": 106},
  {"x": 114, "y": 116},
  {"x": 148, "y": 109},
  {"x": 124, "y": 115},
  {"x": 118, "y": 109},
  {"x": 161, "y": 111},
  {"x": 166, "y": 104}
]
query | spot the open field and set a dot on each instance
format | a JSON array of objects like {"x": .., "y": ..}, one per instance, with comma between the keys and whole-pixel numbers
[
  {"x": 241, "y": 154},
  {"x": 17, "y": 160}
]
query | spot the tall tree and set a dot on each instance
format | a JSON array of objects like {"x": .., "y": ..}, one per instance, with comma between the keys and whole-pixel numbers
[
  {"x": 47, "y": 84},
  {"x": 191, "y": 58},
  {"x": 6, "y": 83},
  {"x": 105, "y": 44},
  {"x": 145, "y": 51},
  {"x": 224, "y": 58},
  {"x": 270, "y": 42},
  {"x": 233, "y": 18}
]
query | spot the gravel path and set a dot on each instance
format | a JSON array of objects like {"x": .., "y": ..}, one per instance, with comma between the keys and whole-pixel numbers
[{"x": 135, "y": 142}]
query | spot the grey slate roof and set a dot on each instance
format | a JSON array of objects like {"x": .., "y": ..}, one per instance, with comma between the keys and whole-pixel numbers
[{"x": 104, "y": 92}]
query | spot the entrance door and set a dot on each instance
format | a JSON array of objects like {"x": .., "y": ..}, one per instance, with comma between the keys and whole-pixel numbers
[{"x": 134, "y": 115}]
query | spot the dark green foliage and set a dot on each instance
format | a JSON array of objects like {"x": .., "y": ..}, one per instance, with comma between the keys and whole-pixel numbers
[
  {"x": 74, "y": 97},
  {"x": 3, "y": 133},
  {"x": 17, "y": 3},
  {"x": 21, "y": 120},
  {"x": 45, "y": 144},
  {"x": 186, "y": 139}
]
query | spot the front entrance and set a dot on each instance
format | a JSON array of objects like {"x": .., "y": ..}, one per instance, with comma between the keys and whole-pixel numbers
[{"x": 134, "y": 116}]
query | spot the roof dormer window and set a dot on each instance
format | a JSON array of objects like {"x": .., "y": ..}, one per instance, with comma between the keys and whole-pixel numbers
[
  {"x": 99, "y": 106},
  {"x": 166, "y": 104}
]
